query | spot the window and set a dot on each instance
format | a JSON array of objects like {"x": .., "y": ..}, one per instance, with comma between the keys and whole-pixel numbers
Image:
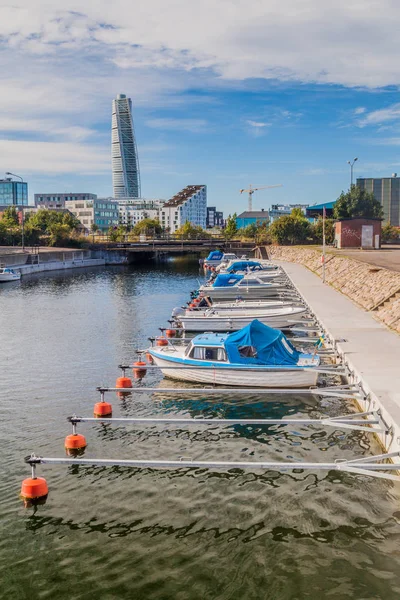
[
  {"x": 204, "y": 353},
  {"x": 248, "y": 351}
]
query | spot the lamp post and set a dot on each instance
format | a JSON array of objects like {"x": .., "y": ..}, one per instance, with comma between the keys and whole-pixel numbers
[
  {"x": 22, "y": 212},
  {"x": 351, "y": 163}
]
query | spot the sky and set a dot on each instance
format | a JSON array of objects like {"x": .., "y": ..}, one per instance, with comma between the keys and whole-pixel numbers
[{"x": 226, "y": 93}]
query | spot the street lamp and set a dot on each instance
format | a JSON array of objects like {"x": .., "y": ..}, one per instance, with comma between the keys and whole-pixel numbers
[
  {"x": 22, "y": 211},
  {"x": 351, "y": 170}
]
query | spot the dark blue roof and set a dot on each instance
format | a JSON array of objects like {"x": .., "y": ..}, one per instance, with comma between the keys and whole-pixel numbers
[{"x": 321, "y": 206}]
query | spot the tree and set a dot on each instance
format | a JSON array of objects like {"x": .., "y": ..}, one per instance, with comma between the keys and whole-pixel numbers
[
  {"x": 231, "y": 227},
  {"x": 389, "y": 233},
  {"x": 357, "y": 203},
  {"x": 117, "y": 234},
  {"x": 317, "y": 230},
  {"x": 188, "y": 231},
  {"x": 147, "y": 225},
  {"x": 290, "y": 229}
]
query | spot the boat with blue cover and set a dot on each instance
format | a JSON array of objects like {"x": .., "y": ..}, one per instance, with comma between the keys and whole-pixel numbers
[
  {"x": 233, "y": 285},
  {"x": 255, "y": 356},
  {"x": 216, "y": 257},
  {"x": 7, "y": 274}
]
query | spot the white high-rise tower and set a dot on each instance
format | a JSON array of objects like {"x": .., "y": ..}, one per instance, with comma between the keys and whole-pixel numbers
[{"x": 125, "y": 159}]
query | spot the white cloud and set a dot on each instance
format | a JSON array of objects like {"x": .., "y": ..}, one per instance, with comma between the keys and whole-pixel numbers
[
  {"x": 257, "y": 124},
  {"x": 53, "y": 157},
  {"x": 193, "y": 125},
  {"x": 44, "y": 127},
  {"x": 360, "y": 110},
  {"x": 384, "y": 115}
]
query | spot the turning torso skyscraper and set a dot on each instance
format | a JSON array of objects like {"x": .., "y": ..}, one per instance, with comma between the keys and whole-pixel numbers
[{"x": 125, "y": 160}]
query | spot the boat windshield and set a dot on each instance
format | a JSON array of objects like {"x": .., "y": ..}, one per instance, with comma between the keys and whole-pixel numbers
[{"x": 206, "y": 353}]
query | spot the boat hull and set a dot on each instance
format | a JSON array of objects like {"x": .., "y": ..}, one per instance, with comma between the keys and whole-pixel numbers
[
  {"x": 244, "y": 292},
  {"x": 237, "y": 322},
  {"x": 257, "y": 378},
  {"x": 5, "y": 277}
]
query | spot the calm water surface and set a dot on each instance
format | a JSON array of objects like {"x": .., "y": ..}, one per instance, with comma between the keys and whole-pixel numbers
[{"x": 180, "y": 534}]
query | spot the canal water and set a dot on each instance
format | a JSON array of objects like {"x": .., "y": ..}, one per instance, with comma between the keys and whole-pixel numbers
[{"x": 114, "y": 533}]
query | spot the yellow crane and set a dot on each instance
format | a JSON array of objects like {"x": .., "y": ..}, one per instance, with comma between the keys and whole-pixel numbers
[{"x": 251, "y": 191}]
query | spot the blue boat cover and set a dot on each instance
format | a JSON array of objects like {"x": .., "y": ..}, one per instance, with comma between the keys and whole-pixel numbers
[
  {"x": 242, "y": 265},
  {"x": 215, "y": 255},
  {"x": 227, "y": 279},
  {"x": 258, "y": 344}
]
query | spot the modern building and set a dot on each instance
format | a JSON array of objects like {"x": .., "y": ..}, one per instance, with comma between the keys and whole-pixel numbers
[
  {"x": 215, "y": 218},
  {"x": 57, "y": 199},
  {"x": 102, "y": 212},
  {"x": 249, "y": 217},
  {"x": 13, "y": 193},
  {"x": 124, "y": 154},
  {"x": 387, "y": 191},
  {"x": 190, "y": 204},
  {"x": 132, "y": 211},
  {"x": 279, "y": 210}
]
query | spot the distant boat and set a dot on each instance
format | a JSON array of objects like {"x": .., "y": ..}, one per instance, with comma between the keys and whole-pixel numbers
[
  {"x": 216, "y": 257},
  {"x": 7, "y": 274},
  {"x": 255, "y": 356},
  {"x": 230, "y": 286},
  {"x": 219, "y": 320}
]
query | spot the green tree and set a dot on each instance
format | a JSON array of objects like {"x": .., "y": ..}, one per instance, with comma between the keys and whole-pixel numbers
[
  {"x": 147, "y": 225},
  {"x": 389, "y": 233},
  {"x": 231, "y": 228},
  {"x": 188, "y": 231},
  {"x": 317, "y": 230},
  {"x": 357, "y": 203},
  {"x": 291, "y": 229},
  {"x": 117, "y": 234}
]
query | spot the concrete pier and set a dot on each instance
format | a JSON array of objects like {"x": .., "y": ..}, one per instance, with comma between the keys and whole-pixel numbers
[{"x": 371, "y": 350}]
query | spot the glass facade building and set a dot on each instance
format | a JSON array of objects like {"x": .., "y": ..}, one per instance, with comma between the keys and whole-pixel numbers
[
  {"x": 387, "y": 191},
  {"x": 13, "y": 193},
  {"x": 124, "y": 154}
]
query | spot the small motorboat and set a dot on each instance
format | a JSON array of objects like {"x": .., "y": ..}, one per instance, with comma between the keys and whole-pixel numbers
[
  {"x": 216, "y": 257},
  {"x": 219, "y": 320},
  {"x": 7, "y": 274},
  {"x": 255, "y": 356},
  {"x": 249, "y": 266},
  {"x": 238, "y": 306},
  {"x": 227, "y": 285}
]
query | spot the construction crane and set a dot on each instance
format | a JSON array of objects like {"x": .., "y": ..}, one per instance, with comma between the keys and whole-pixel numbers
[{"x": 251, "y": 191}]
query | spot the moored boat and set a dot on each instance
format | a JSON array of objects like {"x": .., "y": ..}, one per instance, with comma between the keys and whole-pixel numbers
[
  {"x": 216, "y": 257},
  {"x": 255, "y": 356},
  {"x": 233, "y": 285},
  {"x": 7, "y": 274},
  {"x": 219, "y": 320}
]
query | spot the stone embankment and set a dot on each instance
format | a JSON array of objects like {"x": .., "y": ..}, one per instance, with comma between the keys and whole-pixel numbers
[{"x": 373, "y": 288}]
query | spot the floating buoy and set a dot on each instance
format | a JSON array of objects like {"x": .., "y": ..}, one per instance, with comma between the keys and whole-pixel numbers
[
  {"x": 102, "y": 409},
  {"x": 196, "y": 301},
  {"x": 161, "y": 341},
  {"x": 139, "y": 372},
  {"x": 74, "y": 442},
  {"x": 149, "y": 358},
  {"x": 170, "y": 333},
  {"x": 123, "y": 382},
  {"x": 34, "y": 489}
]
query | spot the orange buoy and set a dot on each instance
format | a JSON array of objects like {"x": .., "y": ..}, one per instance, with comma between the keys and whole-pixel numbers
[
  {"x": 34, "y": 489},
  {"x": 161, "y": 341},
  {"x": 102, "y": 409},
  {"x": 170, "y": 333},
  {"x": 75, "y": 441},
  {"x": 123, "y": 382},
  {"x": 138, "y": 373},
  {"x": 196, "y": 301},
  {"x": 149, "y": 358}
]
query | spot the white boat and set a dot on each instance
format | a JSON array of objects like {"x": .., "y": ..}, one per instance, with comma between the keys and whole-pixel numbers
[
  {"x": 238, "y": 306},
  {"x": 227, "y": 286},
  {"x": 255, "y": 356},
  {"x": 7, "y": 274},
  {"x": 216, "y": 257},
  {"x": 249, "y": 266},
  {"x": 213, "y": 320}
]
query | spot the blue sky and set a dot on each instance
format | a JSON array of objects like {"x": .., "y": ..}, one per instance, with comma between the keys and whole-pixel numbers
[{"x": 226, "y": 94}]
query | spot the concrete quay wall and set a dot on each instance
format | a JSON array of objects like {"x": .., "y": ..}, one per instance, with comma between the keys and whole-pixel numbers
[
  {"x": 58, "y": 265},
  {"x": 373, "y": 288}
]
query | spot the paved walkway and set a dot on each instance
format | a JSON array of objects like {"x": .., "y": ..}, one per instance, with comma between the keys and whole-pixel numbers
[
  {"x": 387, "y": 257},
  {"x": 371, "y": 350}
]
